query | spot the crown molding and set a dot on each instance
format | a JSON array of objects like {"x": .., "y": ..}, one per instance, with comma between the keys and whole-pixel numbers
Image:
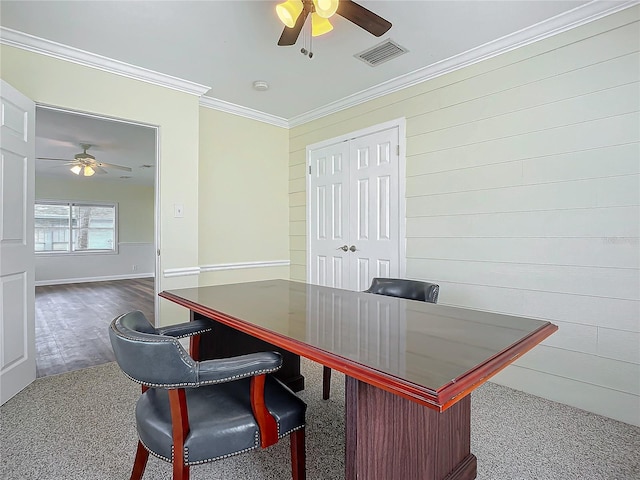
[
  {"x": 560, "y": 23},
  {"x": 35, "y": 44},
  {"x": 234, "y": 109}
]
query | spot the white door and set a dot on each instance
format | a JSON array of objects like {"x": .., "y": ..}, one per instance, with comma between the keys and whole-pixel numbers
[
  {"x": 17, "y": 294},
  {"x": 374, "y": 208},
  {"x": 354, "y": 210},
  {"x": 329, "y": 217}
]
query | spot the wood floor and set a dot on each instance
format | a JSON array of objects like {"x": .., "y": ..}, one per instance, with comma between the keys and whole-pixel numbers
[{"x": 72, "y": 321}]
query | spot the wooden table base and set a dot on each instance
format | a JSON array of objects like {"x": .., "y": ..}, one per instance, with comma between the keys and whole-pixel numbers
[
  {"x": 224, "y": 341},
  {"x": 389, "y": 437}
]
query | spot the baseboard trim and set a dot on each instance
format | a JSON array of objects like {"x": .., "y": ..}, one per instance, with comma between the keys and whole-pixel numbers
[{"x": 106, "y": 278}]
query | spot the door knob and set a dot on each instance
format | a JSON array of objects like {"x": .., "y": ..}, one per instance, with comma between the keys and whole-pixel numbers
[
  {"x": 353, "y": 248},
  {"x": 344, "y": 248}
]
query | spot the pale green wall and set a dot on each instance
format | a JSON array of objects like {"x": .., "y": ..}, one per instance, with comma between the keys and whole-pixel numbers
[
  {"x": 54, "y": 82},
  {"x": 523, "y": 197},
  {"x": 243, "y": 229},
  {"x": 135, "y": 202},
  {"x": 243, "y": 198}
]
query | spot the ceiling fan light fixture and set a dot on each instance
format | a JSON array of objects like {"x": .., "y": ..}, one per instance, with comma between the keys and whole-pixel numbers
[
  {"x": 76, "y": 169},
  {"x": 289, "y": 11},
  {"x": 325, "y": 8},
  {"x": 319, "y": 25},
  {"x": 88, "y": 171}
]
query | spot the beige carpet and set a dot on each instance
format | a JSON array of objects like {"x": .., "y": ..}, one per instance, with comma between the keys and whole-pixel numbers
[{"x": 80, "y": 426}]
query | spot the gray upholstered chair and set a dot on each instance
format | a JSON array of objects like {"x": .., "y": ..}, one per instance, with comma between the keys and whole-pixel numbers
[
  {"x": 402, "y": 288},
  {"x": 194, "y": 412},
  {"x": 391, "y": 287}
]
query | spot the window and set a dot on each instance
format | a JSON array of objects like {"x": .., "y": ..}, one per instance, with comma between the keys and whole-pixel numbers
[{"x": 75, "y": 227}]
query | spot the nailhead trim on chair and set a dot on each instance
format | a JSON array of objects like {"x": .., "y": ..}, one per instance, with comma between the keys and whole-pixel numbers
[
  {"x": 173, "y": 340},
  {"x": 190, "y": 361},
  {"x": 197, "y": 384},
  {"x": 289, "y": 431},
  {"x": 256, "y": 444},
  {"x": 200, "y": 462},
  {"x": 191, "y": 334},
  {"x": 161, "y": 457},
  {"x": 238, "y": 377}
]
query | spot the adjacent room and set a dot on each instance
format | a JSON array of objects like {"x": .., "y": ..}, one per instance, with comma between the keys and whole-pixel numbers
[
  {"x": 251, "y": 175},
  {"x": 85, "y": 276}
]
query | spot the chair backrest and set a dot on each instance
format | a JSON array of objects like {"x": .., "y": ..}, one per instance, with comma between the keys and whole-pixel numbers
[
  {"x": 402, "y": 288},
  {"x": 148, "y": 357}
]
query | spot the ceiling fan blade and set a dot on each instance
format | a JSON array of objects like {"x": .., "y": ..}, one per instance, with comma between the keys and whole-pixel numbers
[
  {"x": 364, "y": 18},
  {"x": 290, "y": 35},
  {"x": 58, "y": 159},
  {"x": 63, "y": 165},
  {"x": 99, "y": 169},
  {"x": 110, "y": 165}
]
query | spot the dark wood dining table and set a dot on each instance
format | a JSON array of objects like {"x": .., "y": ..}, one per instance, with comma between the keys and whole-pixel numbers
[{"x": 409, "y": 366}]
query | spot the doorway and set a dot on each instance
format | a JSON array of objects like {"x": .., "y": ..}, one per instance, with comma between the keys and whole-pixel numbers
[
  {"x": 92, "y": 282},
  {"x": 355, "y": 213}
]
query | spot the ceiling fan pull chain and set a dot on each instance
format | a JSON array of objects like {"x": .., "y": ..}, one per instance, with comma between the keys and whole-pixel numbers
[
  {"x": 304, "y": 50},
  {"x": 306, "y": 39}
]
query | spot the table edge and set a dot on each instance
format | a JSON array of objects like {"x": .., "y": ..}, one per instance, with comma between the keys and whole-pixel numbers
[{"x": 440, "y": 399}]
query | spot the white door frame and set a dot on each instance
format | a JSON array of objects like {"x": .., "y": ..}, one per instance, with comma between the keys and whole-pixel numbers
[
  {"x": 156, "y": 212},
  {"x": 400, "y": 123}
]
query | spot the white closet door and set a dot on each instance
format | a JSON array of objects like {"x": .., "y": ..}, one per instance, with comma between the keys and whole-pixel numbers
[
  {"x": 374, "y": 208},
  {"x": 354, "y": 211},
  {"x": 328, "y": 216}
]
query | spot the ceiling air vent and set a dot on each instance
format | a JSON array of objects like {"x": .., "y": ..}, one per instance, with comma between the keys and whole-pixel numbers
[{"x": 381, "y": 53}]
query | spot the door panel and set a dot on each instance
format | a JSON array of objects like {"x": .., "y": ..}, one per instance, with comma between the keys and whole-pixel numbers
[
  {"x": 17, "y": 294},
  {"x": 354, "y": 201},
  {"x": 328, "y": 220},
  {"x": 376, "y": 236}
]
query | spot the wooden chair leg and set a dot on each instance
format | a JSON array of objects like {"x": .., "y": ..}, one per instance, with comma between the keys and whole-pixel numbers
[
  {"x": 180, "y": 470},
  {"x": 139, "y": 464},
  {"x": 326, "y": 382},
  {"x": 194, "y": 347},
  {"x": 180, "y": 427},
  {"x": 298, "y": 455}
]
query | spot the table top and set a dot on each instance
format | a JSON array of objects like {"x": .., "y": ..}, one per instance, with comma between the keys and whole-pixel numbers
[{"x": 432, "y": 354}]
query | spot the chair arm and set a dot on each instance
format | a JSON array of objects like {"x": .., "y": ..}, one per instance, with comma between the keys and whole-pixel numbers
[
  {"x": 234, "y": 368},
  {"x": 266, "y": 422},
  {"x": 187, "y": 329}
]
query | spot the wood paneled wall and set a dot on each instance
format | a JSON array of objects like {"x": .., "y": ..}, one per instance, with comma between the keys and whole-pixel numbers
[{"x": 523, "y": 197}]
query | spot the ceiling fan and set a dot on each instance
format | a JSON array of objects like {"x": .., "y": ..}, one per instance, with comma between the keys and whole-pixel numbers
[
  {"x": 294, "y": 13},
  {"x": 85, "y": 164}
]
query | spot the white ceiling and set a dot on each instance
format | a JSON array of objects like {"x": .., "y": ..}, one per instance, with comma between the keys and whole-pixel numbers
[
  {"x": 59, "y": 135},
  {"x": 227, "y": 45}
]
